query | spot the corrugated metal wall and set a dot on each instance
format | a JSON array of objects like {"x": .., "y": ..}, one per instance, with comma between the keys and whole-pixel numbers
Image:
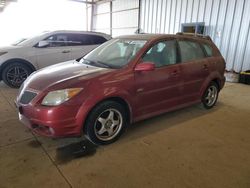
[
  {"x": 117, "y": 17},
  {"x": 227, "y": 22},
  {"x": 124, "y": 17},
  {"x": 89, "y": 9},
  {"x": 101, "y": 17}
]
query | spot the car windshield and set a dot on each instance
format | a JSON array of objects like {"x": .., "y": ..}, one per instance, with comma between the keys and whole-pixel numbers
[
  {"x": 18, "y": 41},
  {"x": 115, "y": 53},
  {"x": 27, "y": 40}
]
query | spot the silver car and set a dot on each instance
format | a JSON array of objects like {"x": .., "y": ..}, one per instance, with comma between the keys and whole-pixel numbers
[{"x": 18, "y": 61}]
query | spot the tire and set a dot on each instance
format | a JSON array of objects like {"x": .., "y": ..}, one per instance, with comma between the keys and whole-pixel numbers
[
  {"x": 106, "y": 123},
  {"x": 210, "y": 96},
  {"x": 14, "y": 74}
]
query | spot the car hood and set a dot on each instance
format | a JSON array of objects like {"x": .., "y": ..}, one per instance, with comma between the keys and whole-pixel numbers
[
  {"x": 62, "y": 72},
  {"x": 8, "y": 48}
]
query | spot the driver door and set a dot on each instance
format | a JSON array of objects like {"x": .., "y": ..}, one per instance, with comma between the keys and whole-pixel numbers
[
  {"x": 58, "y": 51},
  {"x": 160, "y": 89}
]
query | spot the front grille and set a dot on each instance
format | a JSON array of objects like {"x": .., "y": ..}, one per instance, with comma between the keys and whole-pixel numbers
[{"x": 27, "y": 96}]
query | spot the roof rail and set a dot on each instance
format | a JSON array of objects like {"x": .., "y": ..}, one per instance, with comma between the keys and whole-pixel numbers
[{"x": 195, "y": 35}]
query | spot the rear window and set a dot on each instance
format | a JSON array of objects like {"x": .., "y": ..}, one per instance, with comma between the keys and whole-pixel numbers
[
  {"x": 190, "y": 51},
  {"x": 208, "y": 50}
]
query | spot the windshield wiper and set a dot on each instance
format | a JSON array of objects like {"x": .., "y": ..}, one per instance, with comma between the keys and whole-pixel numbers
[
  {"x": 96, "y": 63},
  {"x": 79, "y": 59},
  {"x": 104, "y": 64}
]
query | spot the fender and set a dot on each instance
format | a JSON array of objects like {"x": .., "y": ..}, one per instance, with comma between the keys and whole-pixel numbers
[
  {"x": 16, "y": 60},
  {"x": 213, "y": 76},
  {"x": 89, "y": 103}
]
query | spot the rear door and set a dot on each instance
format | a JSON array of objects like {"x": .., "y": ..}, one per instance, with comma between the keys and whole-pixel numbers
[
  {"x": 194, "y": 66},
  {"x": 159, "y": 90},
  {"x": 81, "y": 44}
]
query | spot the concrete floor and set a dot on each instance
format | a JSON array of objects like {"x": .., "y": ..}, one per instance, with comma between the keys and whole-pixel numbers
[{"x": 191, "y": 147}]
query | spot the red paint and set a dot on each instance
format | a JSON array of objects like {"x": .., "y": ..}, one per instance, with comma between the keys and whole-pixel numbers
[
  {"x": 145, "y": 66},
  {"x": 148, "y": 91}
]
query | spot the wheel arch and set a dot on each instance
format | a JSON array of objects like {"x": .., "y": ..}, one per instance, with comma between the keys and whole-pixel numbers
[
  {"x": 213, "y": 78},
  {"x": 218, "y": 82},
  {"x": 27, "y": 63},
  {"x": 117, "y": 99}
]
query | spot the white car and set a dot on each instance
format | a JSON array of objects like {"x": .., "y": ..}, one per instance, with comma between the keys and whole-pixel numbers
[{"x": 18, "y": 61}]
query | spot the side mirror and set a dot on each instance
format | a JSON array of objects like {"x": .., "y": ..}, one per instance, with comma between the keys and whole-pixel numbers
[
  {"x": 43, "y": 44},
  {"x": 145, "y": 66}
]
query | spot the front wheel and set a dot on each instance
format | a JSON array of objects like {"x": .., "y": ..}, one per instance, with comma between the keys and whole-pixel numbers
[
  {"x": 14, "y": 74},
  {"x": 106, "y": 122},
  {"x": 210, "y": 96}
]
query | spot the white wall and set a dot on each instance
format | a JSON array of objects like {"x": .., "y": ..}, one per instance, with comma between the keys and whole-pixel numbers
[
  {"x": 123, "y": 15},
  {"x": 101, "y": 19},
  {"x": 25, "y": 18}
]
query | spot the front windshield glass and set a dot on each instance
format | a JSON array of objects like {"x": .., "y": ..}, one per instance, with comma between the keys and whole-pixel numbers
[
  {"x": 19, "y": 41},
  {"x": 115, "y": 53},
  {"x": 27, "y": 40}
]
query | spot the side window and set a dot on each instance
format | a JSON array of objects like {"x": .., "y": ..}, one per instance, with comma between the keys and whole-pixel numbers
[
  {"x": 57, "y": 40},
  {"x": 80, "y": 39},
  {"x": 162, "y": 54},
  {"x": 75, "y": 40},
  {"x": 85, "y": 39},
  {"x": 208, "y": 50},
  {"x": 98, "y": 39},
  {"x": 190, "y": 51}
]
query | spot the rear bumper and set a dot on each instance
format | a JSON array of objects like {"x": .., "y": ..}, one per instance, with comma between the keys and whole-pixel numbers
[
  {"x": 50, "y": 122},
  {"x": 223, "y": 80},
  {"x": 0, "y": 74}
]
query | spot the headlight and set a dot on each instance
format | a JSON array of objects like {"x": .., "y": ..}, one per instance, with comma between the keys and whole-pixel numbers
[
  {"x": 2, "y": 53},
  {"x": 57, "y": 97}
]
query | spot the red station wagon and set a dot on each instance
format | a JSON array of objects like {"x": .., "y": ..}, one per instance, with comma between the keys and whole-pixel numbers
[{"x": 125, "y": 80}]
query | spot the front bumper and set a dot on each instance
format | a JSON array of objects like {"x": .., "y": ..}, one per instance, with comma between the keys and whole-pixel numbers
[{"x": 54, "y": 122}]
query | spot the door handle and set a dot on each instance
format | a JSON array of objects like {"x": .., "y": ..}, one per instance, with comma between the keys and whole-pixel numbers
[
  {"x": 65, "y": 51},
  {"x": 205, "y": 67},
  {"x": 175, "y": 73}
]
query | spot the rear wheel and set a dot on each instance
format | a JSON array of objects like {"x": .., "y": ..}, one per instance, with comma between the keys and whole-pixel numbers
[
  {"x": 210, "y": 96},
  {"x": 106, "y": 122},
  {"x": 14, "y": 74}
]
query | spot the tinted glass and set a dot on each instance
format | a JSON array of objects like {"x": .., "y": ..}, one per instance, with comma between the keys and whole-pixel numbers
[
  {"x": 98, "y": 39},
  {"x": 190, "y": 51},
  {"x": 75, "y": 40},
  {"x": 162, "y": 54},
  {"x": 80, "y": 39},
  {"x": 85, "y": 39},
  {"x": 58, "y": 40},
  {"x": 208, "y": 50}
]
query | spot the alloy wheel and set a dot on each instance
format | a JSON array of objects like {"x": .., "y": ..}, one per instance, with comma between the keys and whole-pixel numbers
[
  {"x": 211, "y": 95},
  {"x": 16, "y": 75},
  {"x": 108, "y": 124}
]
